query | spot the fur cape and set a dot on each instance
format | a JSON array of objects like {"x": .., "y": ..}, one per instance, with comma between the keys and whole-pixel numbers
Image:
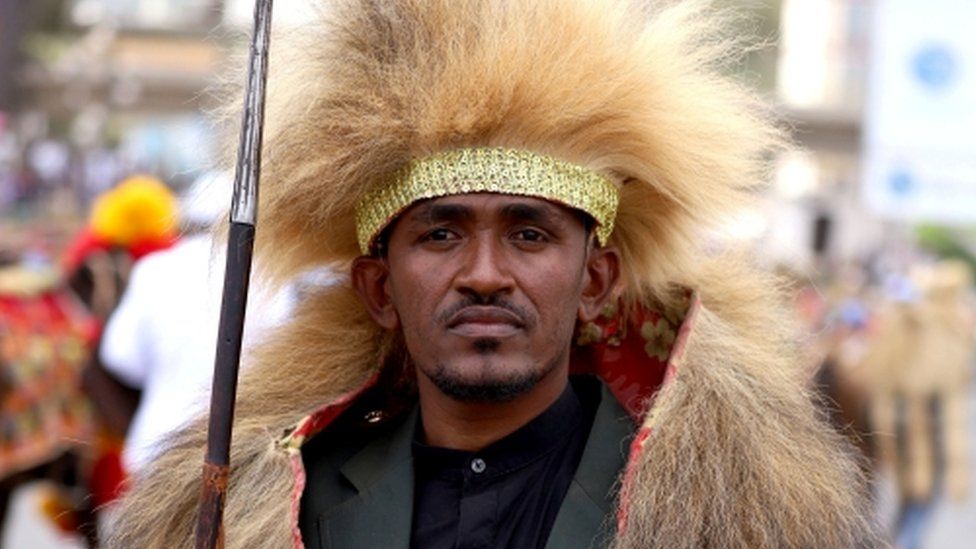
[{"x": 737, "y": 456}]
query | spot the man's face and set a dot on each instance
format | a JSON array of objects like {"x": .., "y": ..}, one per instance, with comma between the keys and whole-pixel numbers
[{"x": 487, "y": 289}]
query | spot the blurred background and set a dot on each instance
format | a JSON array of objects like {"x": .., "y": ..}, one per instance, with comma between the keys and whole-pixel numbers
[{"x": 104, "y": 128}]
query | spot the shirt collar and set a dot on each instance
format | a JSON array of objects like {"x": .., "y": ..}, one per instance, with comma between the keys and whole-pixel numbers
[{"x": 534, "y": 440}]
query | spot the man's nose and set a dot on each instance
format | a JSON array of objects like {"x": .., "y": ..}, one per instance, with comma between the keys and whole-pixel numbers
[{"x": 485, "y": 270}]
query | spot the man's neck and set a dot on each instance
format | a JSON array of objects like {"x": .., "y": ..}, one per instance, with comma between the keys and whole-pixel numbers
[{"x": 471, "y": 426}]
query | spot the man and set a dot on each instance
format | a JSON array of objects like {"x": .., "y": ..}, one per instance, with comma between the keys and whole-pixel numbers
[{"x": 519, "y": 190}]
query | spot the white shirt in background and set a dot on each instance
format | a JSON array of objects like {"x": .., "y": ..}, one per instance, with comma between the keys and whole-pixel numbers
[{"x": 162, "y": 339}]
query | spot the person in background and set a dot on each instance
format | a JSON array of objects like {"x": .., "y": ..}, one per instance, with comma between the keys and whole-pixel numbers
[
  {"x": 920, "y": 367},
  {"x": 161, "y": 338},
  {"x": 46, "y": 423},
  {"x": 130, "y": 221},
  {"x": 134, "y": 219},
  {"x": 62, "y": 417}
]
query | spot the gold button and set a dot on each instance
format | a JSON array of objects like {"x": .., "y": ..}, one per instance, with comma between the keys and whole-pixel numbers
[{"x": 374, "y": 416}]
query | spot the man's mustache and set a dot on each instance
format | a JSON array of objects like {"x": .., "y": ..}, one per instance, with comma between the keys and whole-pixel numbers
[{"x": 526, "y": 318}]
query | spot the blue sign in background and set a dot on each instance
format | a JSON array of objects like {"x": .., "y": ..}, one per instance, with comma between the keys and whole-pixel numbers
[{"x": 935, "y": 66}]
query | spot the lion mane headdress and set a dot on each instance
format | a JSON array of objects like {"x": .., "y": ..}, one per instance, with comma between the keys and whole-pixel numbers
[{"x": 729, "y": 453}]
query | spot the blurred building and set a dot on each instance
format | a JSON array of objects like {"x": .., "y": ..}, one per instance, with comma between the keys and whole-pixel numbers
[
  {"x": 820, "y": 83},
  {"x": 101, "y": 88},
  {"x": 874, "y": 89},
  {"x": 120, "y": 83},
  {"x": 96, "y": 90}
]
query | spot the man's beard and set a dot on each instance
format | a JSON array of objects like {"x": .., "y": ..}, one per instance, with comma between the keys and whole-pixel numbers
[{"x": 496, "y": 390}]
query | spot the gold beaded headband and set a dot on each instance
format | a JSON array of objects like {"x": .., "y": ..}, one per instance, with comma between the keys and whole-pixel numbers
[{"x": 488, "y": 170}]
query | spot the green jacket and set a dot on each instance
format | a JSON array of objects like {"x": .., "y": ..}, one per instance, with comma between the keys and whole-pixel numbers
[{"x": 359, "y": 488}]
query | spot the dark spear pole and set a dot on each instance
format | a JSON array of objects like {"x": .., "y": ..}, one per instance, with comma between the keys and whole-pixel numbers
[{"x": 240, "y": 244}]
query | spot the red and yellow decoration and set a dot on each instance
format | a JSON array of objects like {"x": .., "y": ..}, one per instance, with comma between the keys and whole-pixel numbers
[
  {"x": 44, "y": 341},
  {"x": 139, "y": 215}
]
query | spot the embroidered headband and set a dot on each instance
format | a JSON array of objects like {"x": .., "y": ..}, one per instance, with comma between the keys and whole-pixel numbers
[{"x": 488, "y": 170}]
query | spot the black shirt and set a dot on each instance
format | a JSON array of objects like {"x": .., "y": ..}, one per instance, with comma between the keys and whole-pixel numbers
[{"x": 508, "y": 494}]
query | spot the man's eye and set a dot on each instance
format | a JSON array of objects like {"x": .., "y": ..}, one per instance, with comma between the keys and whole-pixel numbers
[
  {"x": 438, "y": 235},
  {"x": 529, "y": 235}
]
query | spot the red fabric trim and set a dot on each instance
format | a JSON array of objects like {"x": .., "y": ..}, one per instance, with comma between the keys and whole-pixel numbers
[
  {"x": 298, "y": 470},
  {"x": 634, "y": 357},
  {"x": 83, "y": 244},
  {"x": 86, "y": 242},
  {"x": 674, "y": 362},
  {"x": 307, "y": 428},
  {"x": 321, "y": 418},
  {"x": 108, "y": 478},
  {"x": 636, "y": 446},
  {"x": 146, "y": 247}
]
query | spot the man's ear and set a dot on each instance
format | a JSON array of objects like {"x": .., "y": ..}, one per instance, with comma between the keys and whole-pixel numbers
[
  {"x": 369, "y": 277},
  {"x": 602, "y": 277}
]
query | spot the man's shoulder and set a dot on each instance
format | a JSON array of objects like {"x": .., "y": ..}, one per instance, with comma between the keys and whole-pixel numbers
[
  {"x": 608, "y": 441},
  {"x": 347, "y": 436},
  {"x": 328, "y": 456}
]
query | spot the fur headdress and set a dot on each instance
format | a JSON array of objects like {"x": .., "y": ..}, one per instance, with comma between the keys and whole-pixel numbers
[
  {"x": 602, "y": 84},
  {"x": 737, "y": 457}
]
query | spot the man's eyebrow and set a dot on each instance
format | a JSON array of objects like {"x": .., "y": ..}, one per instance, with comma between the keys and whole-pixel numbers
[
  {"x": 528, "y": 213},
  {"x": 440, "y": 213}
]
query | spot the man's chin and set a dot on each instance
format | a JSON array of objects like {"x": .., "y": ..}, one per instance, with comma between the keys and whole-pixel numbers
[
  {"x": 483, "y": 389},
  {"x": 486, "y": 346}
]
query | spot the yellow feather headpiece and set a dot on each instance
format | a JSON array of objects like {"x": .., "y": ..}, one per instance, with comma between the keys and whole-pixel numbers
[{"x": 141, "y": 208}]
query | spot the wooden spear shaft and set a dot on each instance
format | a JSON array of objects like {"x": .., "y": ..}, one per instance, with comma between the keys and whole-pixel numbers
[{"x": 240, "y": 244}]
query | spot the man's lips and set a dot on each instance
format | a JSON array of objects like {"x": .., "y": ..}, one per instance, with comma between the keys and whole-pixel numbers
[{"x": 479, "y": 321}]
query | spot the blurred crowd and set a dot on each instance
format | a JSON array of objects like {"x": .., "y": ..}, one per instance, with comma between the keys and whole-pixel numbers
[
  {"x": 891, "y": 347},
  {"x": 107, "y": 346}
]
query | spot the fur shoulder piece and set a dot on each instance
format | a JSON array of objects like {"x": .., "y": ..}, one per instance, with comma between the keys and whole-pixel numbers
[{"x": 735, "y": 453}]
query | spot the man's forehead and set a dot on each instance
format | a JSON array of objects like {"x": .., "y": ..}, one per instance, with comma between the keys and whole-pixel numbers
[{"x": 486, "y": 204}]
